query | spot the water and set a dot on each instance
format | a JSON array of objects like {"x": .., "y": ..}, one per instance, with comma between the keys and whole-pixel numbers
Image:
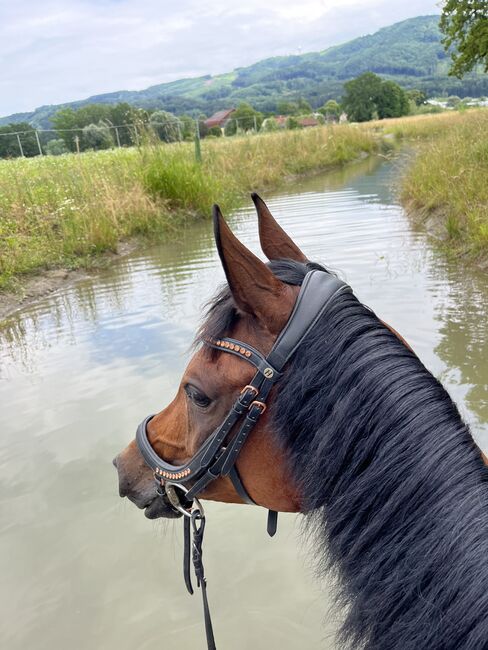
[{"x": 80, "y": 567}]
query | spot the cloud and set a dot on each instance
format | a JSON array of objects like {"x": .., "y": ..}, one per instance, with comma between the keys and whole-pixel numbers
[{"x": 62, "y": 50}]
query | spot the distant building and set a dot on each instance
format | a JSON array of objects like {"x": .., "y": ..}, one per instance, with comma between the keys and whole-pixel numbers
[
  {"x": 220, "y": 118},
  {"x": 305, "y": 122}
]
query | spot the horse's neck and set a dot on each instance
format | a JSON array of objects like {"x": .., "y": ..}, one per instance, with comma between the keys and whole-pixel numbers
[
  {"x": 395, "y": 485},
  {"x": 407, "y": 525}
]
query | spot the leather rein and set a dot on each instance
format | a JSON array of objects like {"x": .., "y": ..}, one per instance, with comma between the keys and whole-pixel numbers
[{"x": 181, "y": 485}]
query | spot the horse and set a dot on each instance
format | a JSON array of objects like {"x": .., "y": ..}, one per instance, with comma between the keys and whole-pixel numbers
[{"x": 358, "y": 436}]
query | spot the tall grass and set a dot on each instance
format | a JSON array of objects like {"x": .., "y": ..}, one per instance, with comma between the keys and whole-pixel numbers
[
  {"x": 63, "y": 211},
  {"x": 421, "y": 127},
  {"x": 448, "y": 181}
]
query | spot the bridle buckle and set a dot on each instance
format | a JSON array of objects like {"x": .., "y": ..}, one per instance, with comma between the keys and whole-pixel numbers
[
  {"x": 249, "y": 387},
  {"x": 260, "y": 405}
]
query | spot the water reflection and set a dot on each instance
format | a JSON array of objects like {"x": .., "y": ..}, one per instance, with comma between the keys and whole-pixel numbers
[
  {"x": 80, "y": 368},
  {"x": 464, "y": 340}
]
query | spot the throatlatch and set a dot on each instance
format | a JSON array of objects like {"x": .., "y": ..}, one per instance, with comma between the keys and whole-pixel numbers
[{"x": 217, "y": 457}]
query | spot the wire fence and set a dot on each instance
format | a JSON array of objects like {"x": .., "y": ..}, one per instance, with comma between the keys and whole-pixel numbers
[{"x": 36, "y": 142}]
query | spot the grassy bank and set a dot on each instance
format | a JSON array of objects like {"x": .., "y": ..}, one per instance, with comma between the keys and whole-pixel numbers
[
  {"x": 66, "y": 210},
  {"x": 446, "y": 186}
]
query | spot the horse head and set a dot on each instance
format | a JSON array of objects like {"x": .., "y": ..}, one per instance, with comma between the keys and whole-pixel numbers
[{"x": 254, "y": 308}]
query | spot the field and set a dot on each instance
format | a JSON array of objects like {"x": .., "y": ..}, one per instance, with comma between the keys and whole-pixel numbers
[{"x": 66, "y": 210}]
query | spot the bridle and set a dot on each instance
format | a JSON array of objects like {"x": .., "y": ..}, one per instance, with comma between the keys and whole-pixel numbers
[{"x": 217, "y": 457}]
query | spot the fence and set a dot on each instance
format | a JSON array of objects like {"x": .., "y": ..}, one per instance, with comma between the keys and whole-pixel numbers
[{"x": 105, "y": 136}]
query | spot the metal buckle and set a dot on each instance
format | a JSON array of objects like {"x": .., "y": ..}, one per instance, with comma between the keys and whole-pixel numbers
[
  {"x": 173, "y": 498},
  {"x": 253, "y": 388},
  {"x": 261, "y": 405}
]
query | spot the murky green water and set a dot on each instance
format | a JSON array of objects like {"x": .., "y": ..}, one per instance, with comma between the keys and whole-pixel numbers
[{"x": 81, "y": 568}]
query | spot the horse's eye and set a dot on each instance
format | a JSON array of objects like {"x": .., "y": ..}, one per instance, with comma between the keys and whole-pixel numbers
[{"x": 196, "y": 396}]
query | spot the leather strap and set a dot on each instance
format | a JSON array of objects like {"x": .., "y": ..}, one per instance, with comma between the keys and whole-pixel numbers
[{"x": 316, "y": 292}]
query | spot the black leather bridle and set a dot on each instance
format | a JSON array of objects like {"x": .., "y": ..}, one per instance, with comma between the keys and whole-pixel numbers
[{"x": 181, "y": 485}]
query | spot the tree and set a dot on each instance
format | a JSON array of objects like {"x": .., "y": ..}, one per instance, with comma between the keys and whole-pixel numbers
[
  {"x": 122, "y": 114},
  {"x": 418, "y": 97},
  {"x": 368, "y": 96},
  {"x": 244, "y": 118},
  {"x": 69, "y": 122},
  {"x": 464, "y": 24},
  {"x": 166, "y": 126},
  {"x": 453, "y": 101},
  {"x": 97, "y": 136},
  {"x": 331, "y": 109},
  {"x": 303, "y": 106},
  {"x": 292, "y": 123},
  {"x": 359, "y": 100},
  {"x": 9, "y": 143},
  {"x": 56, "y": 147},
  {"x": 188, "y": 127},
  {"x": 286, "y": 108},
  {"x": 391, "y": 101}
]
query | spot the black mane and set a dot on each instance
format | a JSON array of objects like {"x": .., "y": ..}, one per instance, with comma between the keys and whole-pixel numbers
[{"x": 395, "y": 487}]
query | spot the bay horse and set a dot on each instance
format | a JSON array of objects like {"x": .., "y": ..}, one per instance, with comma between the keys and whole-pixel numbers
[{"x": 358, "y": 436}]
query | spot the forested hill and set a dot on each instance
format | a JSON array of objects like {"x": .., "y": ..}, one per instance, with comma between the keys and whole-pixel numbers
[{"x": 409, "y": 52}]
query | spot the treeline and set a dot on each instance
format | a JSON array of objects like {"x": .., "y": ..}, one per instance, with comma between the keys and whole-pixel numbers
[{"x": 104, "y": 126}]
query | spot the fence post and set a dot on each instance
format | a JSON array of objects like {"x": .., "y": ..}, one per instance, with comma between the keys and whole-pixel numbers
[
  {"x": 117, "y": 136},
  {"x": 255, "y": 124},
  {"x": 198, "y": 150},
  {"x": 39, "y": 143},
  {"x": 20, "y": 145},
  {"x": 77, "y": 143}
]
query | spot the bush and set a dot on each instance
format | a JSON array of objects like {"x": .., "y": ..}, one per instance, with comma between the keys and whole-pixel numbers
[
  {"x": 183, "y": 183},
  {"x": 270, "y": 125},
  {"x": 166, "y": 126},
  {"x": 97, "y": 136},
  {"x": 292, "y": 123},
  {"x": 216, "y": 131},
  {"x": 56, "y": 147}
]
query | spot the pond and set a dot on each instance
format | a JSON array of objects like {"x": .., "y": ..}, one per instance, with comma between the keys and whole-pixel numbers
[{"x": 79, "y": 369}]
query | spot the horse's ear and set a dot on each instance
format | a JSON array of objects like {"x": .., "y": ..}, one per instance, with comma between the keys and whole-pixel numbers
[
  {"x": 276, "y": 244},
  {"x": 254, "y": 288}
]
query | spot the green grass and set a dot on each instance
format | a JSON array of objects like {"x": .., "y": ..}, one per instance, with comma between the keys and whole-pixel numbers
[
  {"x": 448, "y": 181},
  {"x": 66, "y": 210}
]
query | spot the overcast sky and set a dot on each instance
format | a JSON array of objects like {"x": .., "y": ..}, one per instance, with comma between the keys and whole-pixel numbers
[{"x": 54, "y": 51}]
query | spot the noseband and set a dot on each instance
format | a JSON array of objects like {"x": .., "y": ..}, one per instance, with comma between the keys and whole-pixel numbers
[{"x": 218, "y": 454}]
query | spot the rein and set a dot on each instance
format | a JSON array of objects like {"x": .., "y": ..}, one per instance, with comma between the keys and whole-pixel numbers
[{"x": 217, "y": 457}]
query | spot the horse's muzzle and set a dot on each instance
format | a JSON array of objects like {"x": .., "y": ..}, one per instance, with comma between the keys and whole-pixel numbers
[{"x": 142, "y": 491}]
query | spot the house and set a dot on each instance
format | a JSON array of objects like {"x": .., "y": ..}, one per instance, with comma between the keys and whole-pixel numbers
[
  {"x": 220, "y": 118},
  {"x": 305, "y": 122}
]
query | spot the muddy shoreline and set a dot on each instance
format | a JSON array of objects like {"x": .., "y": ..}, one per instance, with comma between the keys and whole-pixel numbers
[
  {"x": 433, "y": 223},
  {"x": 33, "y": 288}
]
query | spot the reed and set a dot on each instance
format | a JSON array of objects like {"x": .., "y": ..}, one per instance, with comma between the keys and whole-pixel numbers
[{"x": 66, "y": 210}]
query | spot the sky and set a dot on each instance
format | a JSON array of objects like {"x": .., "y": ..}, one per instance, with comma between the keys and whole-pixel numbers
[{"x": 54, "y": 51}]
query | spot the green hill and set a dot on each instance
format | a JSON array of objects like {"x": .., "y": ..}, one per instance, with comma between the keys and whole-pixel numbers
[{"x": 409, "y": 52}]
